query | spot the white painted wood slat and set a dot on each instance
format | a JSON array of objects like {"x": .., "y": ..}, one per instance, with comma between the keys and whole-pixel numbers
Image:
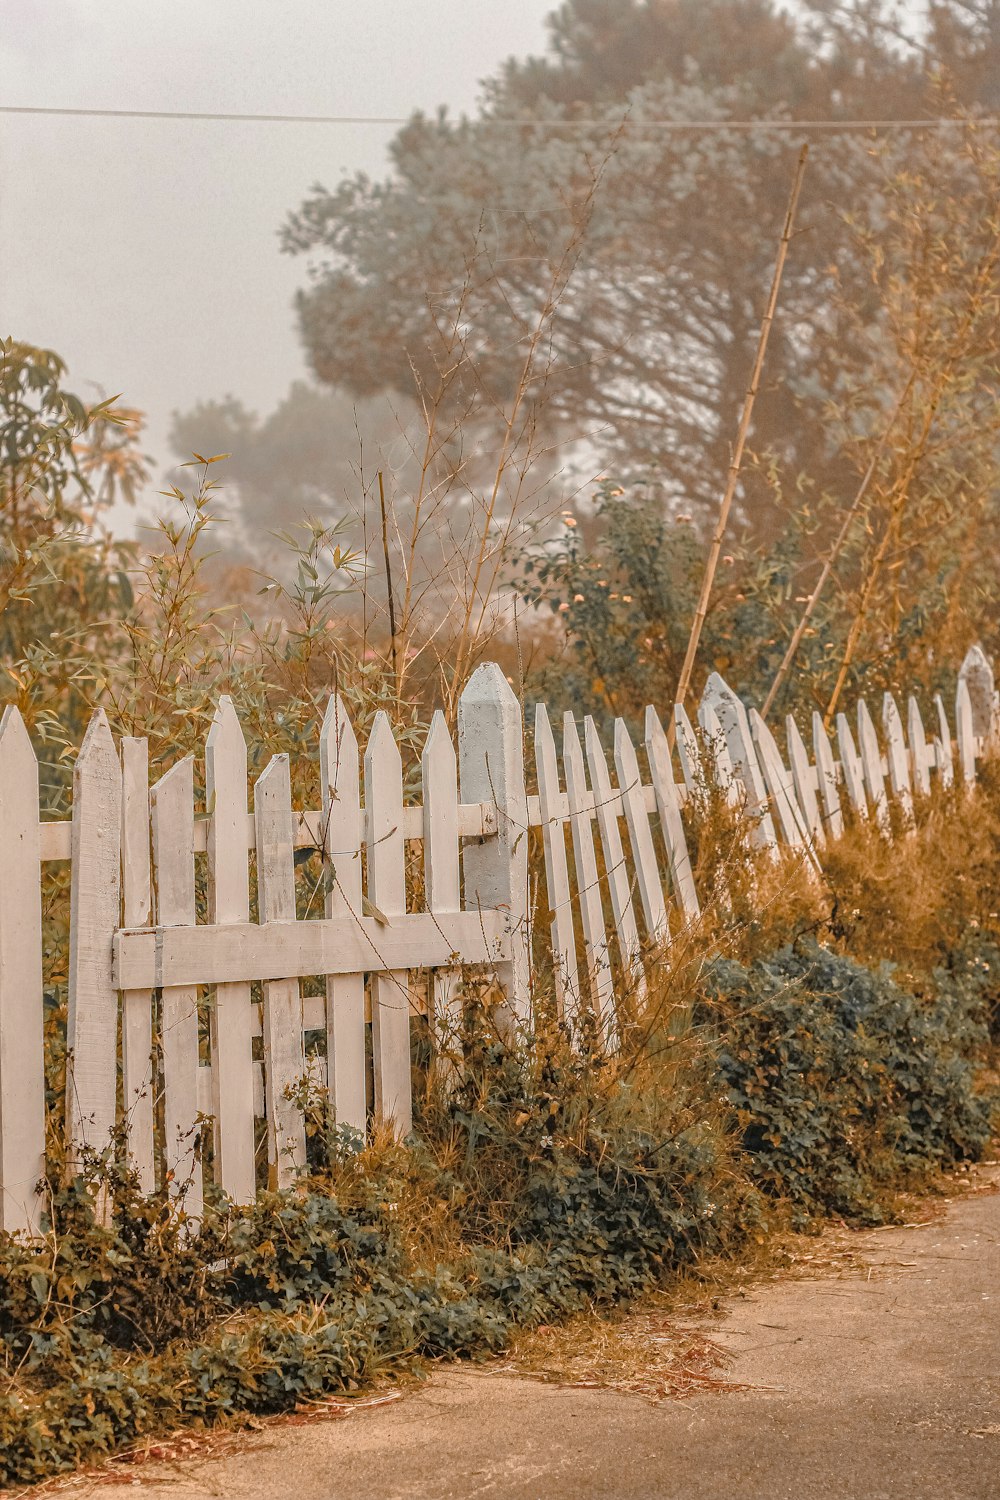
[
  {"x": 342, "y": 836},
  {"x": 616, "y": 870},
  {"x": 871, "y": 767},
  {"x": 920, "y": 755},
  {"x": 826, "y": 779},
  {"x": 387, "y": 893},
  {"x": 495, "y": 871},
  {"x": 965, "y": 733},
  {"x": 733, "y": 718},
  {"x": 896, "y": 755},
  {"x": 95, "y": 895},
  {"x": 231, "y": 1016},
  {"x": 942, "y": 744},
  {"x": 850, "y": 765},
  {"x": 595, "y": 939},
  {"x": 567, "y": 979},
  {"x": 284, "y": 1058},
  {"x": 669, "y": 809},
  {"x": 805, "y": 779},
  {"x": 648, "y": 878},
  {"x": 137, "y": 1005},
  {"x": 442, "y": 881},
  {"x": 22, "y": 1067},
  {"x": 171, "y": 804},
  {"x": 780, "y": 786}
]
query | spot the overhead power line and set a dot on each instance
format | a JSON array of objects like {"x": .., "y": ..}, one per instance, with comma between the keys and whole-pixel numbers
[{"x": 499, "y": 121}]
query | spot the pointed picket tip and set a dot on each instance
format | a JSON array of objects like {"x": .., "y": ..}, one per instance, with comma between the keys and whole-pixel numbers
[
  {"x": 653, "y": 730},
  {"x": 624, "y": 748},
  {"x": 226, "y": 732},
  {"x": 337, "y": 728},
  {"x": 180, "y": 773},
  {"x": 16, "y": 748},
  {"x": 275, "y": 775},
  {"x": 543, "y": 728},
  {"x": 98, "y": 742},
  {"x": 975, "y": 660},
  {"x": 488, "y": 684},
  {"x": 382, "y": 740},
  {"x": 591, "y": 737},
  {"x": 572, "y": 748},
  {"x": 976, "y": 672},
  {"x": 439, "y": 741},
  {"x": 865, "y": 720}
]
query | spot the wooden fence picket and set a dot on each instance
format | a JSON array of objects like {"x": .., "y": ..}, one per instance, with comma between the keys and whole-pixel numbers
[
  {"x": 495, "y": 870},
  {"x": 942, "y": 744},
  {"x": 805, "y": 779},
  {"x": 567, "y": 980},
  {"x": 342, "y": 836},
  {"x": 965, "y": 733},
  {"x": 442, "y": 879},
  {"x": 95, "y": 895},
  {"x": 687, "y": 752},
  {"x": 390, "y": 989},
  {"x": 826, "y": 779},
  {"x": 171, "y": 805},
  {"x": 284, "y": 1059},
  {"x": 871, "y": 767},
  {"x": 607, "y": 804},
  {"x": 595, "y": 939},
  {"x": 781, "y": 787},
  {"x": 137, "y": 1005},
  {"x": 850, "y": 765},
  {"x": 669, "y": 808},
  {"x": 22, "y": 1066},
  {"x": 919, "y": 754},
  {"x": 717, "y": 750},
  {"x": 977, "y": 674},
  {"x": 735, "y": 724},
  {"x": 648, "y": 879},
  {"x": 230, "y": 1017},
  {"x": 896, "y": 756}
]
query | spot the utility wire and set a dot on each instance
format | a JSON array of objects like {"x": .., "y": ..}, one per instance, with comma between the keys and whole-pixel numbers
[{"x": 554, "y": 124}]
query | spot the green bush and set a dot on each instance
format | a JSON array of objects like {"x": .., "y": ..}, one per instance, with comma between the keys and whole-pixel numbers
[{"x": 844, "y": 1083}]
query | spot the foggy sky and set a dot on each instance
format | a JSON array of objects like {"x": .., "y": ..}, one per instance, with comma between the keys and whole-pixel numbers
[{"x": 145, "y": 252}]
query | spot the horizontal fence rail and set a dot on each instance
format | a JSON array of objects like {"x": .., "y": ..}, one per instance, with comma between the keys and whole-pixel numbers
[{"x": 209, "y": 991}]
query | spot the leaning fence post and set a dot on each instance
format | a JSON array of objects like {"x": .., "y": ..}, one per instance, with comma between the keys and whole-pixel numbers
[
  {"x": 22, "y": 1075},
  {"x": 735, "y": 723},
  {"x": 977, "y": 674},
  {"x": 491, "y": 769},
  {"x": 95, "y": 893},
  {"x": 965, "y": 732}
]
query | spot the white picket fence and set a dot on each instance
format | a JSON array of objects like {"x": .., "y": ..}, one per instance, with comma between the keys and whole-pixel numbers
[{"x": 144, "y": 971}]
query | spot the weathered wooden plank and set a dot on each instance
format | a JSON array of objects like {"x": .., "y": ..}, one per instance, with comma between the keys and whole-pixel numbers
[
  {"x": 920, "y": 756},
  {"x": 687, "y": 752},
  {"x": 213, "y": 955},
  {"x": 595, "y": 938},
  {"x": 871, "y": 767},
  {"x": 668, "y": 806},
  {"x": 735, "y": 724},
  {"x": 850, "y": 765},
  {"x": 442, "y": 881},
  {"x": 231, "y": 1015},
  {"x": 806, "y": 781},
  {"x": 137, "y": 1005},
  {"x": 387, "y": 892},
  {"x": 284, "y": 1057},
  {"x": 567, "y": 979},
  {"x": 22, "y": 1067},
  {"x": 896, "y": 755},
  {"x": 95, "y": 895},
  {"x": 491, "y": 769},
  {"x": 171, "y": 805},
  {"x": 977, "y": 674},
  {"x": 781, "y": 787},
  {"x": 475, "y": 820},
  {"x": 648, "y": 879},
  {"x": 342, "y": 837},
  {"x": 714, "y": 740},
  {"x": 942, "y": 744},
  {"x": 616, "y": 870},
  {"x": 965, "y": 733},
  {"x": 826, "y": 779}
]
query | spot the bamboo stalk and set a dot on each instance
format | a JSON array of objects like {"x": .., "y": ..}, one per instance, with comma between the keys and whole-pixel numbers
[{"x": 741, "y": 437}]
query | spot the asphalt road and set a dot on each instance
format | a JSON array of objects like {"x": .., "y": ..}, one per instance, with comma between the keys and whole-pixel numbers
[{"x": 882, "y": 1383}]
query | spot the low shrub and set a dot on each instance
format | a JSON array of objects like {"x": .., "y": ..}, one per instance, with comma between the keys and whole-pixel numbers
[{"x": 844, "y": 1083}]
